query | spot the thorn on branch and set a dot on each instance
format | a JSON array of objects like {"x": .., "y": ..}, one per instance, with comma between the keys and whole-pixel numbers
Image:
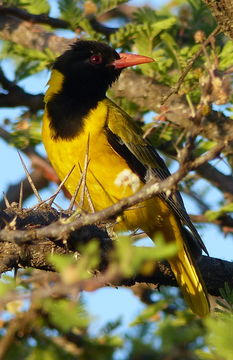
[
  {"x": 52, "y": 198},
  {"x": 21, "y": 195},
  {"x": 6, "y": 200},
  {"x": 30, "y": 179}
]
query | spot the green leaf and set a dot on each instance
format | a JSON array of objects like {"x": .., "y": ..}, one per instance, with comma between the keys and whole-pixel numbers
[
  {"x": 47, "y": 351},
  {"x": 11, "y": 2},
  {"x": 107, "y": 5},
  {"x": 90, "y": 32},
  {"x": 71, "y": 12},
  {"x": 27, "y": 61},
  {"x": 61, "y": 262},
  {"x": 203, "y": 147},
  {"x": 149, "y": 313},
  {"x": 227, "y": 294},
  {"x": 219, "y": 336},
  {"x": 36, "y": 6},
  {"x": 73, "y": 270},
  {"x": 7, "y": 284},
  {"x": 132, "y": 258},
  {"x": 66, "y": 314},
  {"x": 172, "y": 47},
  {"x": 144, "y": 34},
  {"x": 213, "y": 215},
  {"x": 226, "y": 56},
  {"x": 178, "y": 331}
]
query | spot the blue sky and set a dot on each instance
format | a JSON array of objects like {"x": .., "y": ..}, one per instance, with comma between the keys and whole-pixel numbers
[{"x": 104, "y": 304}]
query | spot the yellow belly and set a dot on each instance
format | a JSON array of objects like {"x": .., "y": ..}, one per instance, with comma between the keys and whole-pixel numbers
[{"x": 103, "y": 177}]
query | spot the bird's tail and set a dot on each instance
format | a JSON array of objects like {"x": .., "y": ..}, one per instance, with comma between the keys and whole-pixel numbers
[
  {"x": 190, "y": 281},
  {"x": 184, "y": 266}
]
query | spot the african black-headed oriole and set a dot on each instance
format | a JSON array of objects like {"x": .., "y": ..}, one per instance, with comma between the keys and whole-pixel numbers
[{"x": 77, "y": 113}]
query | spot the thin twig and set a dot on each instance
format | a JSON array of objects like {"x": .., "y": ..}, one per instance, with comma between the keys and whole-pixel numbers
[
  {"x": 51, "y": 199},
  {"x": 58, "y": 206},
  {"x": 86, "y": 163},
  {"x": 6, "y": 200},
  {"x": 175, "y": 88},
  {"x": 60, "y": 186},
  {"x": 30, "y": 179},
  {"x": 73, "y": 199},
  {"x": 21, "y": 195},
  {"x": 89, "y": 199}
]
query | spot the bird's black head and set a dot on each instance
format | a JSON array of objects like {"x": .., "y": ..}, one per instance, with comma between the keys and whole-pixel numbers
[
  {"x": 80, "y": 79},
  {"x": 88, "y": 69}
]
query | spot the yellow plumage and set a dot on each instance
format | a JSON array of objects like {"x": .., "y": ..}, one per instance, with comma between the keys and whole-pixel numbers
[{"x": 106, "y": 182}]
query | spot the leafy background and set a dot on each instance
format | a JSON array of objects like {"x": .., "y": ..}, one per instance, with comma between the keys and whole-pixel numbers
[{"x": 114, "y": 323}]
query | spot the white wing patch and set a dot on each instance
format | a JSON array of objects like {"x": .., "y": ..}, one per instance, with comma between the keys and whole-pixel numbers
[{"x": 128, "y": 178}]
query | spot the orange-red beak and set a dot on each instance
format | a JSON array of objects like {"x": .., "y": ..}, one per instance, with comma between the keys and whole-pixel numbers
[{"x": 131, "y": 60}]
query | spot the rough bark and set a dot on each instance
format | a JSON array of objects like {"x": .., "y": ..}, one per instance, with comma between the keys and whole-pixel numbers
[{"x": 34, "y": 253}]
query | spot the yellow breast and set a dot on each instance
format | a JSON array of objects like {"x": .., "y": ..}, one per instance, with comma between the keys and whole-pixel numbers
[
  {"x": 108, "y": 176},
  {"x": 105, "y": 166}
]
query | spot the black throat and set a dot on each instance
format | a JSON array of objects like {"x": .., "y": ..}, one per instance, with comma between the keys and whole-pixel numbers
[
  {"x": 85, "y": 84},
  {"x": 68, "y": 108}
]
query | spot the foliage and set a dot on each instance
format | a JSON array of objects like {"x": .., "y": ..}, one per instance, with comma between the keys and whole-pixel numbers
[
  {"x": 27, "y": 61},
  {"x": 60, "y": 329},
  {"x": 44, "y": 316}
]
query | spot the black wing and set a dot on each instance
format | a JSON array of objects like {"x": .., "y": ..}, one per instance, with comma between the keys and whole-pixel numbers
[{"x": 143, "y": 159}]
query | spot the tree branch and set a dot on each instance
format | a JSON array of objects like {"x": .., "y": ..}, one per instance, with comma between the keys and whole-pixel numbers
[
  {"x": 217, "y": 178},
  {"x": 53, "y": 22},
  {"x": 16, "y": 96},
  {"x": 21, "y": 324},
  {"x": 217, "y": 127},
  {"x": 35, "y": 253},
  {"x": 60, "y": 230},
  {"x": 33, "y": 18},
  {"x": 222, "y": 10},
  {"x": 31, "y": 35}
]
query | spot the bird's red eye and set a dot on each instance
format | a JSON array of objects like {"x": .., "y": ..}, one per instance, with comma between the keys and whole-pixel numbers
[{"x": 96, "y": 59}]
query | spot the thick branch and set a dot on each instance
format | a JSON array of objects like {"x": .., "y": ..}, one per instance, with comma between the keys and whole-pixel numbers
[
  {"x": 16, "y": 96},
  {"x": 217, "y": 127},
  {"x": 35, "y": 253},
  {"x": 33, "y": 18},
  {"x": 53, "y": 22},
  {"x": 223, "y": 12},
  {"x": 31, "y": 35},
  {"x": 215, "y": 177}
]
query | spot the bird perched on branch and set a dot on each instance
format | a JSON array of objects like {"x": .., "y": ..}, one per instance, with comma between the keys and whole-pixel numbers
[{"x": 80, "y": 122}]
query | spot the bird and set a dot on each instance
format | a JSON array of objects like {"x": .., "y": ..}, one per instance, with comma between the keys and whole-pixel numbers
[{"x": 80, "y": 121}]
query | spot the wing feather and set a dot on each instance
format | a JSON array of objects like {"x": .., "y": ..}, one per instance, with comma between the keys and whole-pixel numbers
[{"x": 144, "y": 160}]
